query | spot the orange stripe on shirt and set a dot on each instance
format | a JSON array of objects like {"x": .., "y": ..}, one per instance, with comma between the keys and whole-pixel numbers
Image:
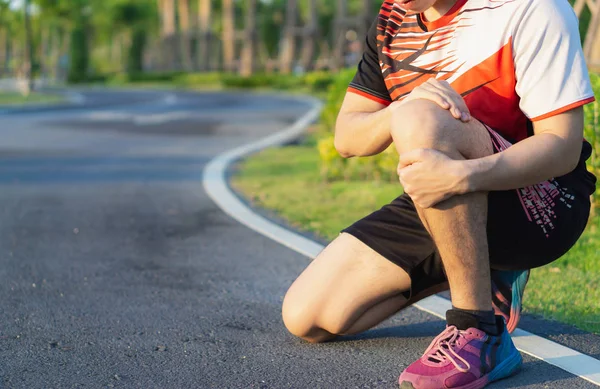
[
  {"x": 369, "y": 96},
  {"x": 564, "y": 109}
]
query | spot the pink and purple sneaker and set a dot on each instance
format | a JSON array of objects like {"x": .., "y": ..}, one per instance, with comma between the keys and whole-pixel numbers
[
  {"x": 468, "y": 359},
  {"x": 507, "y": 295}
]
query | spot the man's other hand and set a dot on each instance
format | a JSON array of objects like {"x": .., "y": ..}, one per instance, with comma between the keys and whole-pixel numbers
[
  {"x": 441, "y": 93},
  {"x": 430, "y": 177}
]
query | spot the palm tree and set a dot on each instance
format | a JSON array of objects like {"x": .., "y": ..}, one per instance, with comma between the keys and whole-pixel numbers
[
  {"x": 185, "y": 31},
  {"x": 339, "y": 38},
  {"x": 288, "y": 43},
  {"x": 167, "y": 33},
  {"x": 27, "y": 51},
  {"x": 310, "y": 36},
  {"x": 249, "y": 52},
  {"x": 59, "y": 17},
  {"x": 228, "y": 35},
  {"x": 205, "y": 34},
  {"x": 5, "y": 36}
]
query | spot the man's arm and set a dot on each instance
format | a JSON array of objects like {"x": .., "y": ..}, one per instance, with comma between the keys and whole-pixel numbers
[
  {"x": 362, "y": 127},
  {"x": 553, "y": 151}
]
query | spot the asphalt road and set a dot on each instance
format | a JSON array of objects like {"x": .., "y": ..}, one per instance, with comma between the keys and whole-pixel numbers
[{"x": 116, "y": 269}]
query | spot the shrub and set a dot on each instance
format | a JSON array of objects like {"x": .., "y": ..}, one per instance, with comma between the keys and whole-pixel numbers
[
  {"x": 153, "y": 77},
  {"x": 592, "y": 134},
  {"x": 333, "y": 166},
  {"x": 198, "y": 79},
  {"x": 78, "y": 54},
  {"x": 335, "y": 96},
  {"x": 272, "y": 81},
  {"x": 319, "y": 81},
  {"x": 381, "y": 167}
]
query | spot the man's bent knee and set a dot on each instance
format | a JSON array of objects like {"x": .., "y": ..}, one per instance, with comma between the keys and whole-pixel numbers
[
  {"x": 300, "y": 319},
  {"x": 423, "y": 124}
]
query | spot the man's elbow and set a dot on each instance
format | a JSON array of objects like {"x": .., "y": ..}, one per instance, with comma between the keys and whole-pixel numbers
[
  {"x": 573, "y": 161},
  {"x": 569, "y": 161},
  {"x": 341, "y": 141},
  {"x": 342, "y": 147}
]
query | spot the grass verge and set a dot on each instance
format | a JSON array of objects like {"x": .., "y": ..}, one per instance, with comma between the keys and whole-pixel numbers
[
  {"x": 287, "y": 180},
  {"x": 16, "y": 98}
]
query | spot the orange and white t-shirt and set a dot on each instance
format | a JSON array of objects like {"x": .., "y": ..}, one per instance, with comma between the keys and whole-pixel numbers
[{"x": 513, "y": 61}]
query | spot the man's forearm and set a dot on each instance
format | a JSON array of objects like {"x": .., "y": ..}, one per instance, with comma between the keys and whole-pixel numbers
[
  {"x": 527, "y": 163},
  {"x": 361, "y": 134}
]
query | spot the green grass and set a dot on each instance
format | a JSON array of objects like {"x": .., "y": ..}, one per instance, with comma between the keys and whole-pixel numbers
[
  {"x": 16, "y": 98},
  {"x": 287, "y": 180}
]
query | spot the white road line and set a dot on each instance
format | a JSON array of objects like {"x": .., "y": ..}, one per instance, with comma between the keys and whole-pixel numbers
[
  {"x": 76, "y": 98},
  {"x": 160, "y": 118},
  {"x": 171, "y": 99},
  {"x": 215, "y": 184}
]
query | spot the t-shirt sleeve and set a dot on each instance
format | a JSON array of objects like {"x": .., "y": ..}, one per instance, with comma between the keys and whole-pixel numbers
[
  {"x": 550, "y": 68},
  {"x": 368, "y": 81}
]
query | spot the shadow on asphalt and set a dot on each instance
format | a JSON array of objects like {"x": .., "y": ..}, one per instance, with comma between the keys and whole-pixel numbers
[
  {"x": 529, "y": 375},
  {"x": 415, "y": 330}
]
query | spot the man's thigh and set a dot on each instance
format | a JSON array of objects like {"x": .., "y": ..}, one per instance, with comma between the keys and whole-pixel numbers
[
  {"x": 345, "y": 280},
  {"x": 387, "y": 258}
]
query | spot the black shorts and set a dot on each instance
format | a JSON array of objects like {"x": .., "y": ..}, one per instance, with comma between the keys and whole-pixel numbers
[{"x": 526, "y": 228}]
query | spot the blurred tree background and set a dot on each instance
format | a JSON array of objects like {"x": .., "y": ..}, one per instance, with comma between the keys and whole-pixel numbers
[{"x": 84, "y": 40}]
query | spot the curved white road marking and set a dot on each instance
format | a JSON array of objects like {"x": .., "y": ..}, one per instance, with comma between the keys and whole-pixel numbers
[{"x": 215, "y": 184}]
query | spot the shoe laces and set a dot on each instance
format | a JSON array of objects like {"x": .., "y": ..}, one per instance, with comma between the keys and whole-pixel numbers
[{"x": 442, "y": 348}]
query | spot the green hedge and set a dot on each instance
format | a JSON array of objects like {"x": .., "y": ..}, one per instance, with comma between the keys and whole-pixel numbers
[
  {"x": 315, "y": 82},
  {"x": 592, "y": 134}
]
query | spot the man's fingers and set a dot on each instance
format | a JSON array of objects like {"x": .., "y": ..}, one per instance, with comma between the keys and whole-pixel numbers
[
  {"x": 410, "y": 157},
  {"x": 429, "y": 93},
  {"x": 455, "y": 107},
  {"x": 444, "y": 89}
]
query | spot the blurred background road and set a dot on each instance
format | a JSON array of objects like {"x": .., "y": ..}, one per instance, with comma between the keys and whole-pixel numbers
[{"x": 116, "y": 270}]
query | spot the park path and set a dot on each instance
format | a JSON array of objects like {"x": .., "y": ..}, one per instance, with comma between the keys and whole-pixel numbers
[{"x": 117, "y": 269}]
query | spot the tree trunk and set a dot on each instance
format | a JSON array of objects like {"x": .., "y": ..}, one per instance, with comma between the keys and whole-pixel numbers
[
  {"x": 185, "y": 32},
  {"x": 53, "y": 52},
  {"x": 161, "y": 46},
  {"x": 9, "y": 52},
  {"x": 288, "y": 44},
  {"x": 44, "y": 53},
  {"x": 27, "y": 51},
  {"x": 205, "y": 35},
  {"x": 339, "y": 43},
  {"x": 168, "y": 35},
  {"x": 324, "y": 59},
  {"x": 61, "y": 56},
  {"x": 310, "y": 37},
  {"x": 3, "y": 51},
  {"x": 249, "y": 52},
  {"x": 228, "y": 35},
  {"x": 366, "y": 21}
]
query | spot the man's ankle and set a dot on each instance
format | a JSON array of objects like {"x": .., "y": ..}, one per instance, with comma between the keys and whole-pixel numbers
[{"x": 464, "y": 319}]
